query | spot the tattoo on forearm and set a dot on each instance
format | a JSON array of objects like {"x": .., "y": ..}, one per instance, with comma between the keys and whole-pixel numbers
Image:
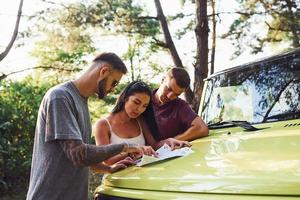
[{"x": 85, "y": 154}]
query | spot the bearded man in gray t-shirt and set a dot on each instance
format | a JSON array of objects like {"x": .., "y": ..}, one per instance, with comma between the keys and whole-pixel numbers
[{"x": 61, "y": 152}]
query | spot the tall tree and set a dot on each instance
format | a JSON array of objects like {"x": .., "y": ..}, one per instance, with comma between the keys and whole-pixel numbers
[
  {"x": 168, "y": 38},
  {"x": 169, "y": 44},
  {"x": 201, "y": 66},
  {"x": 214, "y": 32},
  {"x": 130, "y": 19},
  {"x": 125, "y": 18}
]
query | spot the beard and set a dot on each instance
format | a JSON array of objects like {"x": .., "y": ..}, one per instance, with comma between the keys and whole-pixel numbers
[{"x": 101, "y": 89}]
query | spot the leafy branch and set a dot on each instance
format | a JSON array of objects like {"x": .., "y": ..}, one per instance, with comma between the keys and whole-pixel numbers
[{"x": 3, "y": 76}]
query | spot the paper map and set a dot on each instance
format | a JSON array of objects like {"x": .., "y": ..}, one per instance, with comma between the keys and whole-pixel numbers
[{"x": 164, "y": 152}]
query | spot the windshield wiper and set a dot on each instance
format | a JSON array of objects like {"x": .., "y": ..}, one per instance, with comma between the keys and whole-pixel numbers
[
  {"x": 285, "y": 116},
  {"x": 244, "y": 124}
]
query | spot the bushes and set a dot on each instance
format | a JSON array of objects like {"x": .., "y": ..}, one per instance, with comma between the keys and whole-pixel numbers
[{"x": 19, "y": 103}]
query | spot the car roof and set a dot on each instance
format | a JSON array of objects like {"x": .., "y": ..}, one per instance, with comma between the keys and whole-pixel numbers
[{"x": 272, "y": 58}]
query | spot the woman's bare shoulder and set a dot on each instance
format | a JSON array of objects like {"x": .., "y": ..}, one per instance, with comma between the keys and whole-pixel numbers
[{"x": 102, "y": 124}]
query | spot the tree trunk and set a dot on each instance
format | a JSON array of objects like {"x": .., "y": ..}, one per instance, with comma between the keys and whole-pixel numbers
[
  {"x": 213, "y": 46},
  {"x": 164, "y": 25},
  {"x": 170, "y": 44},
  {"x": 131, "y": 55},
  {"x": 201, "y": 65},
  {"x": 15, "y": 33}
]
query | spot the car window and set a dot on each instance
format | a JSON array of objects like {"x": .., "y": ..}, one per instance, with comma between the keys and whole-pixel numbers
[{"x": 255, "y": 93}]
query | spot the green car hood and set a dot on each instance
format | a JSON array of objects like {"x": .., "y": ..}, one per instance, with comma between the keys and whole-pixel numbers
[{"x": 230, "y": 160}]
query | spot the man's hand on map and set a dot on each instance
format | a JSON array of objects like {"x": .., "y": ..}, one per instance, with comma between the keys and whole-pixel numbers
[{"x": 147, "y": 150}]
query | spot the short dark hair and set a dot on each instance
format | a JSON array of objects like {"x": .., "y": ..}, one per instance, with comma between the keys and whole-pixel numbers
[
  {"x": 148, "y": 114},
  {"x": 181, "y": 77},
  {"x": 112, "y": 59}
]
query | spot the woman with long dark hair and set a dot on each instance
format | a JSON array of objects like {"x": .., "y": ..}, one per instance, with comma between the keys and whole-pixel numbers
[{"x": 132, "y": 120}]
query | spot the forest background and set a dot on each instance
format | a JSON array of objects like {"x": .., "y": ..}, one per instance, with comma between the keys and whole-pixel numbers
[{"x": 54, "y": 41}]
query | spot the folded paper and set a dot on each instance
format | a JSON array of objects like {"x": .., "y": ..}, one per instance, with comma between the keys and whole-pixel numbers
[{"x": 164, "y": 152}]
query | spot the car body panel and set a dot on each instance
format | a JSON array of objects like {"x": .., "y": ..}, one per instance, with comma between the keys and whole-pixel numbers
[
  {"x": 159, "y": 195},
  {"x": 232, "y": 162},
  {"x": 229, "y": 161}
]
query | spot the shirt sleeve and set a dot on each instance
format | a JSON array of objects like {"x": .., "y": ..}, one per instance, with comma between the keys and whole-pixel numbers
[
  {"x": 61, "y": 121},
  {"x": 187, "y": 114}
]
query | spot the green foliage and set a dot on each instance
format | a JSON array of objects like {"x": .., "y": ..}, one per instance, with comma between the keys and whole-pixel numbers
[
  {"x": 99, "y": 108},
  {"x": 265, "y": 22},
  {"x": 62, "y": 47},
  {"x": 19, "y": 102},
  {"x": 66, "y": 35},
  {"x": 120, "y": 16},
  {"x": 128, "y": 18},
  {"x": 189, "y": 27},
  {"x": 62, "y": 52}
]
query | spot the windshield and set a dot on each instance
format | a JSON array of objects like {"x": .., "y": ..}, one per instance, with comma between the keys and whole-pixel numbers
[{"x": 256, "y": 94}]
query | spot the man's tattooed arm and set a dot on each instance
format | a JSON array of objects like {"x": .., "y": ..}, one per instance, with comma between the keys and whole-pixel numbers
[{"x": 86, "y": 154}]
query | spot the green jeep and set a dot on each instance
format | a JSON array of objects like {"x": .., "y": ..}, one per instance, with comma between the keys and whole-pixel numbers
[{"x": 253, "y": 148}]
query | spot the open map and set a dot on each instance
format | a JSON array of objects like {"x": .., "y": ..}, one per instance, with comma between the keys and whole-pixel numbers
[{"x": 164, "y": 152}]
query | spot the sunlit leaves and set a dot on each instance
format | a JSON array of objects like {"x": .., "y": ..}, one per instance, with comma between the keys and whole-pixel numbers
[
  {"x": 263, "y": 22},
  {"x": 19, "y": 102}
]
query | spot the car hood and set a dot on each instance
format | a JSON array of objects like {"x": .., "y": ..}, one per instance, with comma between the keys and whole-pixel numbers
[{"x": 228, "y": 161}]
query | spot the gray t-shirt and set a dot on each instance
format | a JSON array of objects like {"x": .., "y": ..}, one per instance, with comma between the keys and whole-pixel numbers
[{"x": 63, "y": 114}]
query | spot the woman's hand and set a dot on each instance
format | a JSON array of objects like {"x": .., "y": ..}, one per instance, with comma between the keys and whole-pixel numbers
[
  {"x": 138, "y": 151},
  {"x": 149, "y": 151},
  {"x": 174, "y": 144}
]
